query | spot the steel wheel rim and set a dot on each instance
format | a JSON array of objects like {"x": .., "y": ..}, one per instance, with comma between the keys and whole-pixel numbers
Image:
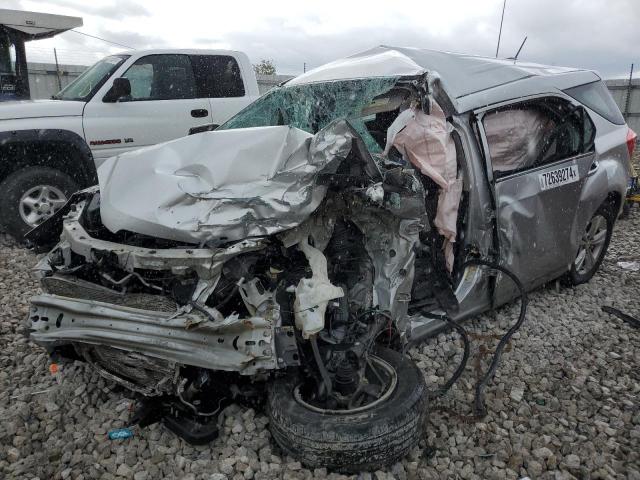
[
  {"x": 393, "y": 381},
  {"x": 591, "y": 244},
  {"x": 39, "y": 203}
]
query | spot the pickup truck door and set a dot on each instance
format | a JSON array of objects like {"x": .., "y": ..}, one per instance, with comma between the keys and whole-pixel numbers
[
  {"x": 221, "y": 79},
  {"x": 539, "y": 154},
  {"x": 163, "y": 105}
]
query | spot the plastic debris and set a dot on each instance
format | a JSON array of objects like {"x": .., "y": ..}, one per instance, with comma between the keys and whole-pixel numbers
[
  {"x": 633, "y": 266},
  {"x": 56, "y": 371},
  {"x": 120, "y": 433}
]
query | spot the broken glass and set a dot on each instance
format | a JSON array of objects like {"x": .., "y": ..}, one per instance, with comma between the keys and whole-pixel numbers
[{"x": 313, "y": 106}]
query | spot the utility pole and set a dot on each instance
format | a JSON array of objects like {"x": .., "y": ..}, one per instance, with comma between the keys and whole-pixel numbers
[
  {"x": 304, "y": 67},
  {"x": 55, "y": 54},
  {"x": 504, "y": 5}
]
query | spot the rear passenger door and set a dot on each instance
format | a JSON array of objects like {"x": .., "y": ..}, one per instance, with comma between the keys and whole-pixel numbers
[
  {"x": 220, "y": 80},
  {"x": 165, "y": 103},
  {"x": 539, "y": 154}
]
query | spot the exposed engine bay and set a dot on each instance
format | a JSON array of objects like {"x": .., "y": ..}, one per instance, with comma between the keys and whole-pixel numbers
[{"x": 344, "y": 274}]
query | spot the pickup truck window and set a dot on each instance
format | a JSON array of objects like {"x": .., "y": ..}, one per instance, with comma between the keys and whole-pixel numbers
[
  {"x": 87, "y": 84},
  {"x": 217, "y": 76},
  {"x": 161, "y": 77}
]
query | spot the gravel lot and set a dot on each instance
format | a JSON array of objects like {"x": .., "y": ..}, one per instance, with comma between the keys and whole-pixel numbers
[{"x": 564, "y": 403}]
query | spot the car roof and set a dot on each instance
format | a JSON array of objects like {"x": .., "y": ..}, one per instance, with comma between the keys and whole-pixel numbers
[
  {"x": 184, "y": 51},
  {"x": 470, "y": 81}
]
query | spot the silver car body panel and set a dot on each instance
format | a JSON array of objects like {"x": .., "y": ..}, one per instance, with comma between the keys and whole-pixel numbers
[
  {"x": 539, "y": 230},
  {"x": 245, "y": 345},
  {"x": 207, "y": 262},
  {"x": 469, "y": 81}
]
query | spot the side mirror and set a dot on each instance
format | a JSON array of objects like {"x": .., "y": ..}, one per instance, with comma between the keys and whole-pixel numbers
[
  {"x": 209, "y": 127},
  {"x": 121, "y": 88}
]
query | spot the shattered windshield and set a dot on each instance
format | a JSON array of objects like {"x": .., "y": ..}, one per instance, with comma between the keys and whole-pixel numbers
[{"x": 313, "y": 106}]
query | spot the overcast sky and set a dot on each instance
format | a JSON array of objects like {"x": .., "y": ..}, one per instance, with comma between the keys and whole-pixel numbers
[{"x": 602, "y": 35}]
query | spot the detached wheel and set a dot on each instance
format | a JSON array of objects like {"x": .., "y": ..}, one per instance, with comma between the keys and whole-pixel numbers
[
  {"x": 362, "y": 438},
  {"x": 30, "y": 196},
  {"x": 593, "y": 247}
]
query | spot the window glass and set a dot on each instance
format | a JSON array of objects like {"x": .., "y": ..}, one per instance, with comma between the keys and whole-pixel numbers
[
  {"x": 312, "y": 107},
  {"x": 532, "y": 134},
  {"x": 589, "y": 133},
  {"x": 141, "y": 78},
  {"x": 217, "y": 76},
  {"x": 85, "y": 86},
  {"x": 161, "y": 77},
  {"x": 596, "y": 96}
]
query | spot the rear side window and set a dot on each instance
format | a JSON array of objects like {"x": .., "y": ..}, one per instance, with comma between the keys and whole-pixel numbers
[
  {"x": 596, "y": 96},
  {"x": 217, "y": 76}
]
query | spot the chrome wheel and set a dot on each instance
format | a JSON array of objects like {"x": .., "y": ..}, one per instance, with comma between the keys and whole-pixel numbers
[
  {"x": 39, "y": 203},
  {"x": 591, "y": 245}
]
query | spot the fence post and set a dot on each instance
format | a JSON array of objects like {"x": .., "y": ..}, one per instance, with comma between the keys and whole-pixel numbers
[
  {"x": 55, "y": 54},
  {"x": 628, "y": 99}
]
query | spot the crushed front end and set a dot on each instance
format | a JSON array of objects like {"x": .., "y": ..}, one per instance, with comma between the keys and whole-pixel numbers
[{"x": 286, "y": 265}]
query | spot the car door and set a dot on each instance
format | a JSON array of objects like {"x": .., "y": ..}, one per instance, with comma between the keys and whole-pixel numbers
[
  {"x": 539, "y": 153},
  {"x": 164, "y": 104},
  {"x": 220, "y": 79}
]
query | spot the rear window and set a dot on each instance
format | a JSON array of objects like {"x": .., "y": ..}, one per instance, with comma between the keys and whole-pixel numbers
[
  {"x": 596, "y": 96},
  {"x": 217, "y": 76}
]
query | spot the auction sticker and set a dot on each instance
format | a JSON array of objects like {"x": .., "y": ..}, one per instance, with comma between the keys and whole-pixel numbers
[{"x": 559, "y": 177}]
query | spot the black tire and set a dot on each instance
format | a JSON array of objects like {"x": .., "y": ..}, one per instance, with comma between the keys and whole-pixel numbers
[
  {"x": 17, "y": 184},
  {"x": 576, "y": 277},
  {"x": 352, "y": 442}
]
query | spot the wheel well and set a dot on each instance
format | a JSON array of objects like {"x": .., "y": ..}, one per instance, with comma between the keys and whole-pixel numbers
[
  {"x": 72, "y": 158},
  {"x": 614, "y": 200}
]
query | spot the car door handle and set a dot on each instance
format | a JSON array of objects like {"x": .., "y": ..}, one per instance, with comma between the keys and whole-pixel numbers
[
  {"x": 199, "y": 112},
  {"x": 593, "y": 168}
]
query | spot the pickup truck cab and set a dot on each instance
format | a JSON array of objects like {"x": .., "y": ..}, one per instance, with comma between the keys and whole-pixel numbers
[{"x": 51, "y": 148}]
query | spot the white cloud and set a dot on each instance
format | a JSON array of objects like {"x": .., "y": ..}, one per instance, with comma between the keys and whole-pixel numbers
[{"x": 587, "y": 33}]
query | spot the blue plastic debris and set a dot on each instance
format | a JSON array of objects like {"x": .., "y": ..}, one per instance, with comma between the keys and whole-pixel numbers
[{"x": 120, "y": 433}]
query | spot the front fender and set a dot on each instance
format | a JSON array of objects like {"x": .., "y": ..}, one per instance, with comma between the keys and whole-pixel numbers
[{"x": 83, "y": 166}]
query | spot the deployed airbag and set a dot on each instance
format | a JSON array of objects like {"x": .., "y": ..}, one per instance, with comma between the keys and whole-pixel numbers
[
  {"x": 426, "y": 142},
  {"x": 515, "y": 137}
]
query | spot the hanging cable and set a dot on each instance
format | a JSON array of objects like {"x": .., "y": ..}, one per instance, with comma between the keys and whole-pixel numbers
[
  {"x": 480, "y": 409},
  {"x": 103, "y": 39}
]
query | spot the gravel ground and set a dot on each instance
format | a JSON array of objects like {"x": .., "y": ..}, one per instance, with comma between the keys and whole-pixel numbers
[{"x": 564, "y": 403}]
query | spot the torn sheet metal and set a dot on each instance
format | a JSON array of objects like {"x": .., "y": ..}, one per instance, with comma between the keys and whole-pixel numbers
[
  {"x": 221, "y": 186},
  {"x": 384, "y": 63},
  {"x": 245, "y": 345},
  {"x": 230, "y": 185},
  {"x": 207, "y": 262}
]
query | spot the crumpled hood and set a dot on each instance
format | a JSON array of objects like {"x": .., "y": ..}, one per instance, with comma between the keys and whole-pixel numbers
[
  {"x": 40, "y": 108},
  {"x": 223, "y": 185}
]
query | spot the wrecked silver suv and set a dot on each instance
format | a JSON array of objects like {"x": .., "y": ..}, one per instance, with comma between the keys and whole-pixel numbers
[{"x": 302, "y": 246}]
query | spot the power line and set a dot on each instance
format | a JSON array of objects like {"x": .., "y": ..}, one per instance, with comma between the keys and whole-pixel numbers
[{"x": 104, "y": 40}]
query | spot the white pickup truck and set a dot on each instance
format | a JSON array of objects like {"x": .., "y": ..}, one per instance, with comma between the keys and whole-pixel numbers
[{"x": 51, "y": 148}]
